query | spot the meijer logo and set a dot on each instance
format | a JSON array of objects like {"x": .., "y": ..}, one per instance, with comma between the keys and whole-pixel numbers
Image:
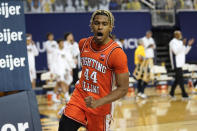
[
  {"x": 8, "y": 36},
  {"x": 11, "y": 62},
  {"x": 6, "y": 10},
  {"x": 11, "y": 127}
]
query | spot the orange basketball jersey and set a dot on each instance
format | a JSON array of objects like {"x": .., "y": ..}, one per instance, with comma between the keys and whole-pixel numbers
[{"x": 96, "y": 78}]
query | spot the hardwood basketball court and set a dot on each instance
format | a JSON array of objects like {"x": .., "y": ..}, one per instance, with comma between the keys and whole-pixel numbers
[{"x": 156, "y": 113}]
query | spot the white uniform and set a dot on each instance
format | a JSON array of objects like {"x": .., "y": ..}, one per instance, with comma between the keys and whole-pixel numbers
[
  {"x": 149, "y": 51},
  {"x": 63, "y": 66},
  {"x": 177, "y": 53},
  {"x": 50, "y": 46},
  {"x": 73, "y": 49},
  {"x": 31, "y": 53}
]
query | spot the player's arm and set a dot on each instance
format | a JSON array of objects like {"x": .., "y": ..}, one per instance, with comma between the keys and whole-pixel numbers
[
  {"x": 176, "y": 49},
  {"x": 188, "y": 47},
  {"x": 141, "y": 54},
  {"x": 35, "y": 50},
  {"x": 122, "y": 83},
  {"x": 153, "y": 44}
]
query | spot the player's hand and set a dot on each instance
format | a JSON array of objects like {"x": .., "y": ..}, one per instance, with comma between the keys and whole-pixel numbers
[
  {"x": 184, "y": 41},
  {"x": 151, "y": 46},
  {"x": 190, "y": 42},
  {"x": 32, "y": 42},
  {"x": 51, "y": 76},
  {"x": 76, "y": 61},
  {"x": 90, "y": 102}
]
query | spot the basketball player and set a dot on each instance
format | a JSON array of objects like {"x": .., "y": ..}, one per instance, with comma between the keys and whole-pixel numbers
[
  {"x": 72, "y": 46},
  {"x": 101, "y": 59},
  {"x": 62, "y": 68},
  {"x": 32, "y": 51},
  {"x": 51, "y": 46}
]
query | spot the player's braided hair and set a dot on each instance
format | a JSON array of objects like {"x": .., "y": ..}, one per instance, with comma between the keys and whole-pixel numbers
[{"x": 103, "y": 12}]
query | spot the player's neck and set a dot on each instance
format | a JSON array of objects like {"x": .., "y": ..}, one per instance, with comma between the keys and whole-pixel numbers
[{"x": 61, "y": 48}]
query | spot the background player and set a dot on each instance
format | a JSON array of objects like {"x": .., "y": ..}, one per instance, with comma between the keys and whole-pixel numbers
[
  {"x": 32, "y": 51},
  {"x": 51, "y": 46},
  {"x": 72, "y": 46},
  {"x": 62, "y": 68}
]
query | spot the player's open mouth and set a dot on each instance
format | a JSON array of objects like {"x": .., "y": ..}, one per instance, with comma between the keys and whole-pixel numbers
[{"x": 99, "y": 35}]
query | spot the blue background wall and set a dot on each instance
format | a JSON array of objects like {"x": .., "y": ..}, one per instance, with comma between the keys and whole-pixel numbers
[
  {"x": 129, "y": 25},
  {"x": 188, "y": 26}
]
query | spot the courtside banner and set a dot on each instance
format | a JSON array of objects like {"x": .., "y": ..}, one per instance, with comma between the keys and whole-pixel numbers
[
  {"x": 14, "y": 74},
  {"x": 19, "y": 113}
]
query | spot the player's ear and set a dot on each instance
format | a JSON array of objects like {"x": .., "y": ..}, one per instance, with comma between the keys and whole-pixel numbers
[{"x": 110, "y": 29}]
